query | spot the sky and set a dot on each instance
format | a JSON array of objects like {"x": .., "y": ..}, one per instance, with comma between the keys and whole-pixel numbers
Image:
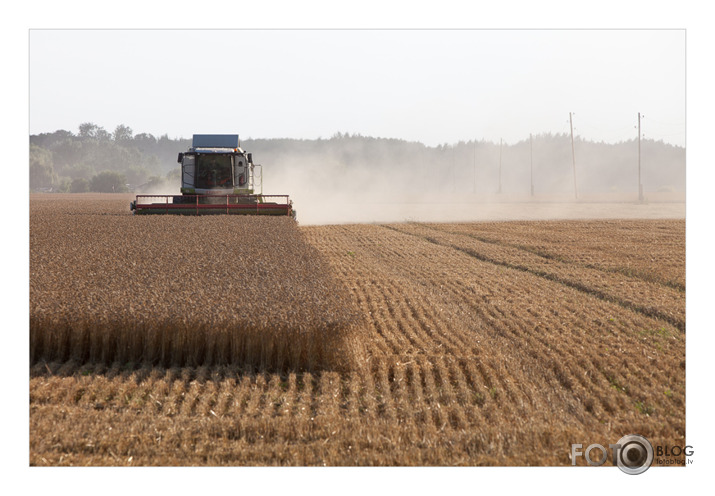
[{"x": 429, "y": 85}]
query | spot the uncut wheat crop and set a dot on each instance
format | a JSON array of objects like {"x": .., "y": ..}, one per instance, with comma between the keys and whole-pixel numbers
[{"x": 181, "y": 291}]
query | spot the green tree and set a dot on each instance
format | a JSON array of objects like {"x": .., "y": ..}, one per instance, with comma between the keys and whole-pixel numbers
[
  {"x": 67, "y": 152},
  {"x": 109, "y": 182},
  {"x": 145, "y": 140},
  {"x": 103, "y": 135},
  {"x": 122, "y": 133},
  {"x": 89, "y": 130},
  {"x": 79, "y": 185},
  {"x": 62, "y": 185},
  {"x": 79, "y": 171},
  {"x": 42, "y": 171},
  {"x": 136, "y": 175}
]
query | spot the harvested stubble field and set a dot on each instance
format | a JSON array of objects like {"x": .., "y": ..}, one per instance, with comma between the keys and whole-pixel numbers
[{"x": 483, "y": 343}]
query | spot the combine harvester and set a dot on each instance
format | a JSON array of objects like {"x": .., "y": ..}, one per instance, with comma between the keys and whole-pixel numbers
[{"x": 217, "y": 177}]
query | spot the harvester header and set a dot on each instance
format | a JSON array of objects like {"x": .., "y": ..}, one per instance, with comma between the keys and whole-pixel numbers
[{"x": 217, "y": 176}]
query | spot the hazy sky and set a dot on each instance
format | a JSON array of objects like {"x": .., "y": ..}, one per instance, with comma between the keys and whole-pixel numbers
[{"x": 433, "y": 86}]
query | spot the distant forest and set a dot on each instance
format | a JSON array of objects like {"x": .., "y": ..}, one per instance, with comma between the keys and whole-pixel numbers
[{"x": 94, "y": 159}]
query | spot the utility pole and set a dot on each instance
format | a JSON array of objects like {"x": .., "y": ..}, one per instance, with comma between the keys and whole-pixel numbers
[
  {"x": 500, "y": 146},
  {"x": 573, "y": 158},
  {"x": 640, "y": 184},
  {"x": 531, "y": 163},
  {"x": 454, "y": 179},
  {"x": 474, "y": 187}
]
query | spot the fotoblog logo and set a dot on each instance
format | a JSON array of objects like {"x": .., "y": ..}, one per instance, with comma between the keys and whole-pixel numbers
[{"x": 633, "y": 454}]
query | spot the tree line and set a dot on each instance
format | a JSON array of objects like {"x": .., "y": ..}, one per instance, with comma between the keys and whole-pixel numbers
[{"x": 94, "y": 159}]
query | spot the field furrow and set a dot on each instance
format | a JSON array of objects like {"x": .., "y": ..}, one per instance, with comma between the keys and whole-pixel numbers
[{"x": 648, "y": 298}]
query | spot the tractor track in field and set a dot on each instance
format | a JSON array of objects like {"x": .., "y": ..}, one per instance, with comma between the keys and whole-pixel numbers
[
  {"x": 650, "y": 311},
  {"x": 548, "y": 255}
]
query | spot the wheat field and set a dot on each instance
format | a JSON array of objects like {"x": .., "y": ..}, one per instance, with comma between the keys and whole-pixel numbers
[
  {"x": 181, "y": 291},
  {"x": 479, "y": 344}
]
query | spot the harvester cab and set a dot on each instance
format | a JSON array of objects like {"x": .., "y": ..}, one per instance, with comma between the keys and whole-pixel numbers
[{"x": 217, "y": 176}]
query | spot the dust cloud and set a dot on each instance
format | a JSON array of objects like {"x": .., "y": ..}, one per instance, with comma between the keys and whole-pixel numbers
[
  {"x": 348, "y": 181},
  {"x": 163, "y": 187}
]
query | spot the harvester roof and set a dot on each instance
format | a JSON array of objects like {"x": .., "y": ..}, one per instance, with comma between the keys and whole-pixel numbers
[{"x": 215, "y": 141}]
